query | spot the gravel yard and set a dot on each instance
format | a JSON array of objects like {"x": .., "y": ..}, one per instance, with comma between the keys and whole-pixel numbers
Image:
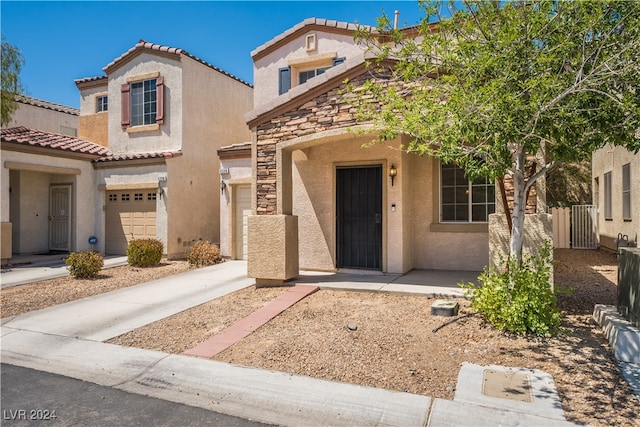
[{"x": 398, "y": 345}]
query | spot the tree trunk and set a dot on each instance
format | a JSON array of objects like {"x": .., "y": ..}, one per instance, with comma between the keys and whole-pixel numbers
[{"x": 519, "y": 203}]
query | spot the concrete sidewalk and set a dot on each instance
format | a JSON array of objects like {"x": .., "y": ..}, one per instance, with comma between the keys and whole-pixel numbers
[{"x": 67, "y": 340}]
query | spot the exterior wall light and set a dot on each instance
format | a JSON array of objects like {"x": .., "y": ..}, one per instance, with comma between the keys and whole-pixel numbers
[
  {"x": 393, "y": 172},
  {"x": 222, "y": 187}
]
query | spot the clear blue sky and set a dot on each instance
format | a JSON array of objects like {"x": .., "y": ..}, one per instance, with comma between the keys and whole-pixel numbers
[{"x": 64, "y": 41}]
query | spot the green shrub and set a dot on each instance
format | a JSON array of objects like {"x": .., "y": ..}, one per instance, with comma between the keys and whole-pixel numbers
[
  {"x": 204, "y": 253},
  {"x": 85, "y": 265},
  {"x": 519, "y": 300},
  {"x": 144, "y": 252}
]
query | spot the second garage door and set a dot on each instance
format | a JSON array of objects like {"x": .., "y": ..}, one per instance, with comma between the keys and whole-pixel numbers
[{"x": 130, "y": 214}]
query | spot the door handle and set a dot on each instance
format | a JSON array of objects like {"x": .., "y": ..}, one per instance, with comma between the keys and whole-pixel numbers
[{"x": 378, "y": 218}]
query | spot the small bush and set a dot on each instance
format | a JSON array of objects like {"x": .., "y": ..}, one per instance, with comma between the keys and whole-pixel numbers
[
  {"x": 520, "y": 300},
  {"x": 204, "y": 253},
  {"x": 85, "y": 265},
  {"x": 144, "y": 252}
]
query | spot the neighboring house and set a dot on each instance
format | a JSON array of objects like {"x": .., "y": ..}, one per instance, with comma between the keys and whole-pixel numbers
[
  {"x": 616, "y": 192},
  {"x": 49, "y": 197},
  {"x": 55, "y": 120},
  {"x": 235, "y": 199},
  {"x": 163, "y": 113},
  {"x": 323, "y": 202},
  {"x": 155, "y": 121},
  {"x": 44, "y": 115}
]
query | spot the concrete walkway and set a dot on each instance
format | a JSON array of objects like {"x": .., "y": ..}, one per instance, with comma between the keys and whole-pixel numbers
[{"x": 67, "y": 340}]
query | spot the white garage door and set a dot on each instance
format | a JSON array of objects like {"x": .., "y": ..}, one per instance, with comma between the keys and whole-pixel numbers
[
  {"x": 130, "y": 214},
  {"x": 242, "y": 211}
]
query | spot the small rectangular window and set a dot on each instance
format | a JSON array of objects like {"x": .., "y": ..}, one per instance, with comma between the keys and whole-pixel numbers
[
  {"x": 303, "y": 76},
  {"x": 462, "y": 200},
  {"x": 607, "y": 196},
  {"x": 101, "y": 103},
  {"x": 138, "y": 196},
  {"x": 626, "y": 192},
  {"x": 151, "y": 196},
  {"x": 124, "y": 197},
  {"x": 113, "y": 197}
]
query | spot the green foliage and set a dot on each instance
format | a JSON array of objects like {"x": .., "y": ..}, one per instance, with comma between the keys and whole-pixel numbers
[
  {"x": 488, "y": 85},
  {"x": 144, "y": 252},
  {"x": 85, "y": 265},
  {"x": 204, "y": 253},
  {"x": 519, "y": 300},
  {"x": 12, "y": 61}
]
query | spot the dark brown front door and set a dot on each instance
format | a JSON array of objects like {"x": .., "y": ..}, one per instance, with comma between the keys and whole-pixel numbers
[{"x": 359, "y": 217}]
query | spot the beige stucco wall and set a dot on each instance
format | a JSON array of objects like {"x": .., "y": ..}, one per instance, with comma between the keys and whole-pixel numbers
[
  {"x": 611, "y": 159},
  {"x": 94, "y": 126},
  {"x": 265, "y": 69},
  {"x": 169, "y": 135},
  {"x": 410, "y": 238},
  {"x": 27, "y": 205},
  {"x": 213, "y": 111},
  {"x": 41, "y": 118},
  {"x": 538, "y": 229}
]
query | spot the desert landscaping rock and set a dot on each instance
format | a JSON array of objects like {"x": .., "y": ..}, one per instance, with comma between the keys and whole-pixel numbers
[{"x": 395, "y": 346}]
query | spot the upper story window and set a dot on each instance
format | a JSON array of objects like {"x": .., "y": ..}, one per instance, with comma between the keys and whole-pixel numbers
[
  {"x": 626, "y": 192},
  {"x": 303, "y": 76},
  {"x": 608, "y": 211},
  {"x": 143, "y": 102},
  {"x": 101, "y": 103},
  {"x": 462, "y": 200},
  {"x": 303, "y": 73}
]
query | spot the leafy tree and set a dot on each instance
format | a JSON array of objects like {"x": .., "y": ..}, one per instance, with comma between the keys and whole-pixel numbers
[
  {"x": 489, "y": 85},
  {"x": 12, "y": 61}
]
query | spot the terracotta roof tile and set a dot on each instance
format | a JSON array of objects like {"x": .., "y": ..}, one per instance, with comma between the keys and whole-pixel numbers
[
  {"x": 138, "y": 156},
  {"x": 39, "y": 138},
  {"x": 47, "y": 104},
  {"x": 143, "y": 44},
  {"x": 90, "y": 79}
]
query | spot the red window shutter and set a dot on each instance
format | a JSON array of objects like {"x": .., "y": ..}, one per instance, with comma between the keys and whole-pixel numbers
[
  {"x": 160, "y": 100},
  {"x": 125, "y": 110}
]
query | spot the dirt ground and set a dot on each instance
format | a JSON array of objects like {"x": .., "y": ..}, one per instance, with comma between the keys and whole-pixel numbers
[{"x": 398, "y": 345}]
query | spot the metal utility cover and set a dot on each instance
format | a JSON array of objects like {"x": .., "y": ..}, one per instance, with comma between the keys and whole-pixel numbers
[{"x": 507, "y": 385}]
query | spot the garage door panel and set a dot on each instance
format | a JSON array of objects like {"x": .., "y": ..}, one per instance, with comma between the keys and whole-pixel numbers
[{"x": 129, "y": 216}]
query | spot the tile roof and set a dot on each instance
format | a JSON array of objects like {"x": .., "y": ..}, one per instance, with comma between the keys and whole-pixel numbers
[
  {"x": 142, "y": 45},
  {"x": 47, "y": 104},
  {"x": 90, "y": 79},
  {"x": 138, "y": 156},
  {"x": 39, "y": 138}
]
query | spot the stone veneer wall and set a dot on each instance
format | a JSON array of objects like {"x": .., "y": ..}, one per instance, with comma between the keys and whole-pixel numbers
[{"x": 328, "y": 111}]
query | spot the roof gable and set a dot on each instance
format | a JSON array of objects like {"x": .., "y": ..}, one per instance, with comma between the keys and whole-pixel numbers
[
  {"x": 308, "y": 24},
  {"x": 153, "y": 48}
]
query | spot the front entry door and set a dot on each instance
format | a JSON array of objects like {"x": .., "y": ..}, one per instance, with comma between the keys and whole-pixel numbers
[
  {"x": 359, "y": 217},
  {"x": 59, "y": 217}
]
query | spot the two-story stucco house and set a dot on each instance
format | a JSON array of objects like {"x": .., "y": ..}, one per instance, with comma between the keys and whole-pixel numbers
[
  {"x": 144, "y": 164},
  {"x": 616, "y": 192},
  {"x": 163, "y": 113},
  {"x": 323, "y": 202}
]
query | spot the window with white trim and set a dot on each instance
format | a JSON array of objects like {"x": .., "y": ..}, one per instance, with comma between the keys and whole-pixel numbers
[
  {"x": 102, "y": 103},
  {"x": 626, "y": 192},
  {"x": 462, "y": 200},
  {"x": 607, "y": 196}
]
